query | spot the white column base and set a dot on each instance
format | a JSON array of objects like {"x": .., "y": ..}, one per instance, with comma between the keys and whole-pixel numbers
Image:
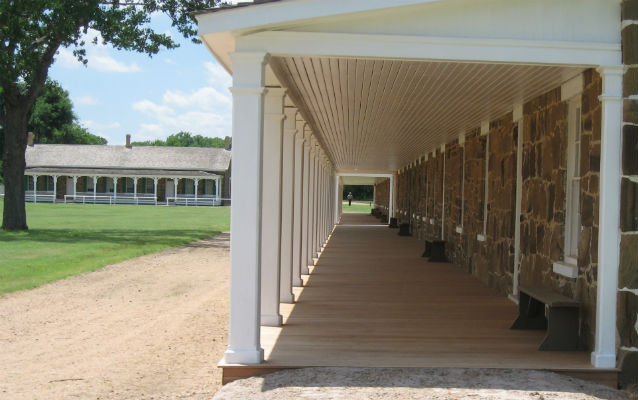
[
  {"x": 600, "y": 360},
  {"x": 253, "y": 356},
  {"x": 287, "y": 298},
  {"x": 271, "y": 320}
]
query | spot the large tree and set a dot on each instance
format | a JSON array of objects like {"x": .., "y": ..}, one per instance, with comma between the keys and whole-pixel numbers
[
  {"x": 31, "y": 33},
  {"x": 53, "y": 121}
]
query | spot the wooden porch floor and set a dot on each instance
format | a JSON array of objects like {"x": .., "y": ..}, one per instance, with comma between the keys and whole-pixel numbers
[{"x": 371, "y": 300}]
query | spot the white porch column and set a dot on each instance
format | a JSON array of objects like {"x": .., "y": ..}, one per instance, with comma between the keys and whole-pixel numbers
[
  {"x": 55, "y": 187},
  {"x": 155, "y": 179},
  {"x": 217, "y": 189},
  {"x": 337, "y": 199},
  {"x": 391, "y": 200},
  {"x": 135, "y": 187},
  {"x": 310, "y": 254},
  {"x": 195, "y": 185},
  {"x": 303, "y": 262},
  {"x": 34, "y": 178},
  {"x": 604, "y": 355},
  {"x": 298, "y": 200},
  {"x": 245, "y": 221},
  {"x": 115, "y": 188},
  {"x": 287, "y": 204},
  {"x": 175, "y": 182},
  {"x": 94, "y": 187},
  {"x": 271, "y": 206},
  {"x": 75, "y": 187}
]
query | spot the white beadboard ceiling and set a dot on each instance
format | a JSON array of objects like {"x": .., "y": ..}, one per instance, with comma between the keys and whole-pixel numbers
[{"x": 374, "y": 115}]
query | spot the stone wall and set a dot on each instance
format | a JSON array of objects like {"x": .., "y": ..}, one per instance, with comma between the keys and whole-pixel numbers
[
  {"x": 484, "y": 245},
  {"x": 628, "y": 272},
  {"x": 382, "y": 195}
]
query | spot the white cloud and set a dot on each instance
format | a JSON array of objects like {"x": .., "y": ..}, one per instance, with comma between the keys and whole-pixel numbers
[
  {"x": 205, "y": 111},
  {"x": 217, "y": 76},
  {"x": 151, "y": 109},
  {"x": 92, "y": 125},
  {"x": 86, "y": 100},
  {"x": 98, "y": 55},
  {"x": 106, "y": 63}
]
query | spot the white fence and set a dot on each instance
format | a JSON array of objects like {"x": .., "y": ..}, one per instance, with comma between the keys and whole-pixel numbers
[{"x": 192, "y": 201}]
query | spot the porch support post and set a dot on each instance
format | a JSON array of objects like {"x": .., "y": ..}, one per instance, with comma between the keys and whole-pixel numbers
[
  {"x": 195, "y": 186},
  {"x": 55, "y": 187},
  {"x": 94, "y": 188},
  {"x": 175, "y": 182},
  {"x": 245, "y": 222},
  {"x": 135, "y": 187},
  {"x": 337, "y": 199},
  {"x": 391, "y": 199},
  {"x": 298, "y": 199},
  {"x": 303, "y": 262},
  {"x": 271, "y": 206},
  {"x": 155, "y": 179},
  {"x": 217, "y": 189},
  {"x": 287, "y": 204},
  {"x": 115, "y": 188},
  {"x": 75, "y": 187},
  {"x": 311, "y": 207},
  {"x": 35, "y": 188},
  {"x": 604, "y": 355}
]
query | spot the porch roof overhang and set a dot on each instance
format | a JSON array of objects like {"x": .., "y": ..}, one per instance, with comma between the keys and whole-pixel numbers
[
  {"x": 383, "y": 84},
  {"x": 112, "y": 172}
]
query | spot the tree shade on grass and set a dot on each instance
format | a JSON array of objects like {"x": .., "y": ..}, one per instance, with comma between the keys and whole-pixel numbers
[
  {"x": 66, "y": 240},
  {"x": 357, "y": 207}
]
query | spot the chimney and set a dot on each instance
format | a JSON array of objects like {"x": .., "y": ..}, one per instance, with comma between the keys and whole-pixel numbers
[
  {"x": 30, "y": 139},
  {"x": 227, "y": 144},
  {"x": 128, "y": 140}
]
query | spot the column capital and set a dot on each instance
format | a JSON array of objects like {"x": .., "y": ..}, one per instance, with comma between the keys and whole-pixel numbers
[
  {"x": 290, "y": 123},
  {"x": 612, "y": 77},
  {"x": 248, "y": 72}
]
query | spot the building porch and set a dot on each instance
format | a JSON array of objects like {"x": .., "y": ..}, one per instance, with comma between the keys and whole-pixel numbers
[{"x": 372, "y": 301}]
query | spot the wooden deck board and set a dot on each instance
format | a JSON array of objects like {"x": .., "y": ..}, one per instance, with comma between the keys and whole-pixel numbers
[{"x": 371, "y": 300}]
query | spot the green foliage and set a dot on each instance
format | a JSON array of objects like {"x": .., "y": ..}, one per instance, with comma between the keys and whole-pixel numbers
[
  {"x": 359, "y": 192},
  {"x": 66, "y": 240},
  {"x": 184, "y": 139},
  {"x": 52, "y": 119}
]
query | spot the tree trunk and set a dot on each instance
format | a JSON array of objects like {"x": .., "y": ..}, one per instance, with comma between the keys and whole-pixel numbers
[{"x": 15, "y": 143}]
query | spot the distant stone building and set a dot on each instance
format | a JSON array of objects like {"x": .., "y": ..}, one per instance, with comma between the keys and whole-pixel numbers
[{"x": 127, "y": 174}]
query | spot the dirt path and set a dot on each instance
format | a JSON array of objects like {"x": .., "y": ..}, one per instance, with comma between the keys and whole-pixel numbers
[{"x": 151, "y": 327}]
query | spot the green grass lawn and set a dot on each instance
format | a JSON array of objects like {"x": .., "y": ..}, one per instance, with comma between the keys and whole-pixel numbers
[
  {"x": 65, "y": 240},
  {"x": 357, "y": 207}
]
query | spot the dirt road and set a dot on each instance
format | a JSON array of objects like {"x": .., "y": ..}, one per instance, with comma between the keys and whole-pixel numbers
[{"x": 153, "y": 327}]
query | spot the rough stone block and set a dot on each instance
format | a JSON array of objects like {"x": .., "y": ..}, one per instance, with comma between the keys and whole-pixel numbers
[
  {"x": 627, "y": 312},
  {"x": 630, "y": 150},
  {"x": 630, "y": 81},
  {"x": 629, "y": 9},
  {"x": 628, "y": 269},
  {"x": 630, "y": 44},
  {"x": 628, "y": 205},
  {"x": 630, "y": 111},
  {"x": 628, "y": 364}
]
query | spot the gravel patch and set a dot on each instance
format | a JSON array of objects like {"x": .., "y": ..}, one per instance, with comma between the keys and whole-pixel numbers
[{"x": 416, "y": 383}]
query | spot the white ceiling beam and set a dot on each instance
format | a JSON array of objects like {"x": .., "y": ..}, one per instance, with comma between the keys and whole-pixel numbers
[{"x": 532, "y": 52}]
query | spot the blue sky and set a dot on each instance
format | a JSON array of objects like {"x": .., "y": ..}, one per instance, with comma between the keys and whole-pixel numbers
[{"x": 122, "y": 92}]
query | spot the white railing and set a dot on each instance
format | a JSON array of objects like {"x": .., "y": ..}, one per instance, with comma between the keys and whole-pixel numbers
[
  {"x": 39, "y": 197},
  {"x": 187, "y": 200},
  {"x": 109, "y": 199}
]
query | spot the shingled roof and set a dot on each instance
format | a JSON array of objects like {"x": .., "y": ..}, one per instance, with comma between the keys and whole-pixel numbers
[{"x": 124, "y": 158}]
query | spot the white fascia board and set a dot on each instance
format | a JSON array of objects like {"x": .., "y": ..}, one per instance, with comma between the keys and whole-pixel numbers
[
  {"x": 291, "y": 43},
  {"x": 260, "y": 16}
]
